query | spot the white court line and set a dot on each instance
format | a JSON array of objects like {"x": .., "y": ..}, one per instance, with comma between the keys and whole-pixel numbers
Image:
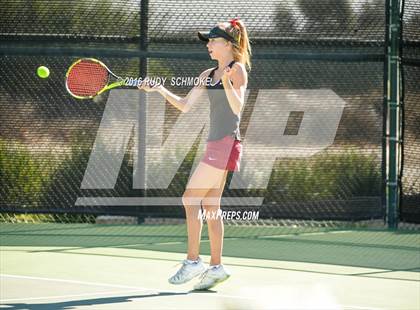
[
  {"x": 361, "y": 308},
  {"x": 139, "y": 244},
  {"x": 306, "y": 234},
  {"x": 76, "y": 282},
  {"x": 135, "y": 288},
  {"x": 155, "y": 243},
  {"x": 166, "y": 243}
]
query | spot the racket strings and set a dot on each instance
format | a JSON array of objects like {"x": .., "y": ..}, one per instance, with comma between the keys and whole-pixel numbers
[{"x": 87, "y": 78}]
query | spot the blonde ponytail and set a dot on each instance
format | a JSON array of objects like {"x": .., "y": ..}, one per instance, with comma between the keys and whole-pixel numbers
[{"x": 241, "y": 50}]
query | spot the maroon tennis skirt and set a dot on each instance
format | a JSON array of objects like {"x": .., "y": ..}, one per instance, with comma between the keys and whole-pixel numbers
[{"x": 224, "y": 154}]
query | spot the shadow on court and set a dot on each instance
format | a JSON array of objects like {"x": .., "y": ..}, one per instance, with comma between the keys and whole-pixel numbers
[{"x": 87, "y": 302}]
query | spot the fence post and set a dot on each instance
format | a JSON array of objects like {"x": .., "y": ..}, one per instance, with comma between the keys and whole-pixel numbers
[
  {"x": 142, "y": 117},
  {"x": 393, "y": 111}
]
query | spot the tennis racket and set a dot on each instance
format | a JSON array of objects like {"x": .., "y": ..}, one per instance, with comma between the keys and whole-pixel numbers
[{"x": 89, "y": 77}]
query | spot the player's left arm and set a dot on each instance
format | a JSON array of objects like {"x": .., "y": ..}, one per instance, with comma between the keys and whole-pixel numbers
[{"x": 235, "y": 81}]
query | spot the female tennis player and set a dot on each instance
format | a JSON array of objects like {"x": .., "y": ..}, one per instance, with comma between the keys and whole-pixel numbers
[{"x": 228, "y": 44}]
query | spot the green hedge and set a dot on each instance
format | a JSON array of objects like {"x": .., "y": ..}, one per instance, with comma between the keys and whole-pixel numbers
[
  {"x": 326, "y": 176},
  {"x": 35, "y": 179},
  {"x": 24, "y": 173}
]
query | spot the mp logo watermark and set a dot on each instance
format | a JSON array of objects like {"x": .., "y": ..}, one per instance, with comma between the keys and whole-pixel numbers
[{"x": 133, "y": 114}]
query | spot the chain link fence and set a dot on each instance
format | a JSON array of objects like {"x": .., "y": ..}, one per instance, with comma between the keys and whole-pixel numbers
[{"x": 333, "y": 50}]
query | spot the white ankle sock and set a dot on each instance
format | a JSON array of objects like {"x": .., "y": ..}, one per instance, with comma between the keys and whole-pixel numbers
[{"x": 193, "y": 261}]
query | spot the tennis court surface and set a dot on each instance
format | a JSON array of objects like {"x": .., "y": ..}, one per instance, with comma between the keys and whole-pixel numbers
[{"x": 88, "y": 266}]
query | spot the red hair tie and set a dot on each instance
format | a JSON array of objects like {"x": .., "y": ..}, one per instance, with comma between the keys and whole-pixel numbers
[{"x": 233, "y": 22}]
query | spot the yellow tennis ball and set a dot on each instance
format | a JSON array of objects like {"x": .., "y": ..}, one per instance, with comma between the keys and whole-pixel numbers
[{"x": 43, "y": 72}]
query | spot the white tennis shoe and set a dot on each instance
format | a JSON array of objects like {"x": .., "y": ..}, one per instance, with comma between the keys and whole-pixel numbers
[
  {"x": 187, "y": 272},
  {"x": 211, "y": 277}
]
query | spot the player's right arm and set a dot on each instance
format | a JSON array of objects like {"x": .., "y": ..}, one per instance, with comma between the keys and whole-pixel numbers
[{"x": 183, "y": 104}]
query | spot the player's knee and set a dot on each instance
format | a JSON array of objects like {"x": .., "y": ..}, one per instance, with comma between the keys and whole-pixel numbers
[
  {"x": 213, "y": 216},
  {"x": 211, "y": 203},
  {"x": 189, "y": 198}
]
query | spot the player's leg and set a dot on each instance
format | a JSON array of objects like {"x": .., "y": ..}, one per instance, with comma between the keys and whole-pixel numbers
[
  {"x": 211, "y": 205},
  {"x": 204, "y": 178},
  {"x": 216, "y": 273}
]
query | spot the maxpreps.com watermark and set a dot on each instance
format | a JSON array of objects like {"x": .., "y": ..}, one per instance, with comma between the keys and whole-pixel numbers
[
  {"x": 228, "y": 215},
  {"x": 173, "y": 81}
]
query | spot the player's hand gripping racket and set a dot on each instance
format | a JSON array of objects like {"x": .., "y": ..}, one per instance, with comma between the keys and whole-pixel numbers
[{"x": 89, "y": 77}]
